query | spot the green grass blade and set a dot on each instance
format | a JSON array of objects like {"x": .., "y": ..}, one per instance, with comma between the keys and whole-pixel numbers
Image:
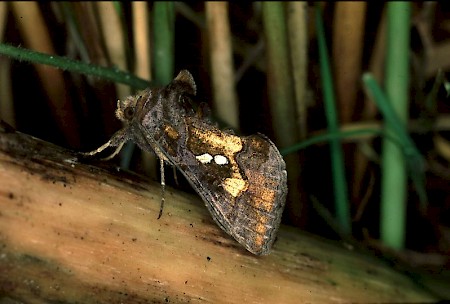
[
  {"x": 393, "y": 167},
  {"x": 414, "y": 159},
  {"x": 279, "y": 81},
  {"x": 337, "y": 135},
  {"x": 71, "y": 65},
  {"x": 163, "y": 40},
  {"x": 337, "y": 157}
]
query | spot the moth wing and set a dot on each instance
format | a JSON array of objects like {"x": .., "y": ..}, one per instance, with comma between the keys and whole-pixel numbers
[{"x": 242, "y": 181}]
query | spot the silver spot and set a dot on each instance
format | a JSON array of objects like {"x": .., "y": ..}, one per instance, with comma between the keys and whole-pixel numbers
[
  {"x": 204, "y": 158},
  {"x": 220, "y": 160}
]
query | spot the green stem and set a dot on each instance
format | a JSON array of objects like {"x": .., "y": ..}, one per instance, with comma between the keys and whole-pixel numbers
[
  {"x": 278, "y": 73},
  {"x": 341, "y": 134},
  {"x": 398, "y": 132},
  {"x": 394, "y": 178},
  {"x": 337, "y": 157},
  {"x": 164, "y": 40},
  {"x": 71, "y": 65}
]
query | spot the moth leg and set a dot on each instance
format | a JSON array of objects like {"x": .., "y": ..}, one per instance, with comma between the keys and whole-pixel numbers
[
  {"x": 98, "y": 150},
  {"x": 117, "y": 140},
  {"x": 175, "y": 175},
  {"x": 163, "y": 186},
  {"x": 116, "y": 151}
]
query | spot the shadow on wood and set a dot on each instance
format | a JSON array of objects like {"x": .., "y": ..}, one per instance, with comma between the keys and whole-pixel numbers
[{"x": 73, "y": 232}]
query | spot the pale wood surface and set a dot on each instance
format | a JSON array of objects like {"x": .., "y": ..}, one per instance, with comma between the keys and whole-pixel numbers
[{"x": 71, "y": 232}]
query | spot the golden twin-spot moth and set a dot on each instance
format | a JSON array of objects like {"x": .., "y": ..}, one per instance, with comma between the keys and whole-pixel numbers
[{"x": 241, "y": 179}]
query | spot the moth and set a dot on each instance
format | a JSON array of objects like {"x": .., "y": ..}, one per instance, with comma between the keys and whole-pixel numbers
[{"x": 241, "y": 179}]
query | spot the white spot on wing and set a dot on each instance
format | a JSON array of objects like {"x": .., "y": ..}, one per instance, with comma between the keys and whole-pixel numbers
[
  {"x": 204, "y": 158},
  {"x": 220, "y": 160}
]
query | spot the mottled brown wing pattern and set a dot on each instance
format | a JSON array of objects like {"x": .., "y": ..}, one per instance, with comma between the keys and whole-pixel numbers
[
  {"x": 241, "y": 179},
  {"x": 259, "y": 209}
]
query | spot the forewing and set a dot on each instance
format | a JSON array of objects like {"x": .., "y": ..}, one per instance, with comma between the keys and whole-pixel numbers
[{"x": 241, "y": 179}]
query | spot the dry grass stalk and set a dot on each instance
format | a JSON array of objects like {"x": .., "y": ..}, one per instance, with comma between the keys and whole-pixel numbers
[{"x": 71, "y": 232}]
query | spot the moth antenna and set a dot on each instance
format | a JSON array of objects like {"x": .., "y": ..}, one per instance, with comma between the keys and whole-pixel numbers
[
  {"x": 163, "y": 186},
  {"x": 119, "y": 111}
]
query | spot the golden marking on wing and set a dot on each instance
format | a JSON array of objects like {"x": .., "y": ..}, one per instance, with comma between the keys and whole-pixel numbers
[
  {"x": 264, "y": 199},
  {"x": 259, "y": 240},
  {"x": 261, "y": 230},
  {"x": 261, "y": 227},
  {"x": 227, "y": 143},
  {"x": 171, "y": 132},
  {"x": 218, "y": 142},
  {"x": 263, "y": 191},
  {"x": 235, "y": 186}
]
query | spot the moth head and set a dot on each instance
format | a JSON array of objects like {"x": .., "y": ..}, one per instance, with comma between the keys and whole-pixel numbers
[
  {"x": 181, "y": 85},
  {"x": 126, "y": 108}
]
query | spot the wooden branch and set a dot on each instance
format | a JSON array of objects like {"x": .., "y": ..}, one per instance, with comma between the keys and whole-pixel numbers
[{"x": 73, "y": 232}]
